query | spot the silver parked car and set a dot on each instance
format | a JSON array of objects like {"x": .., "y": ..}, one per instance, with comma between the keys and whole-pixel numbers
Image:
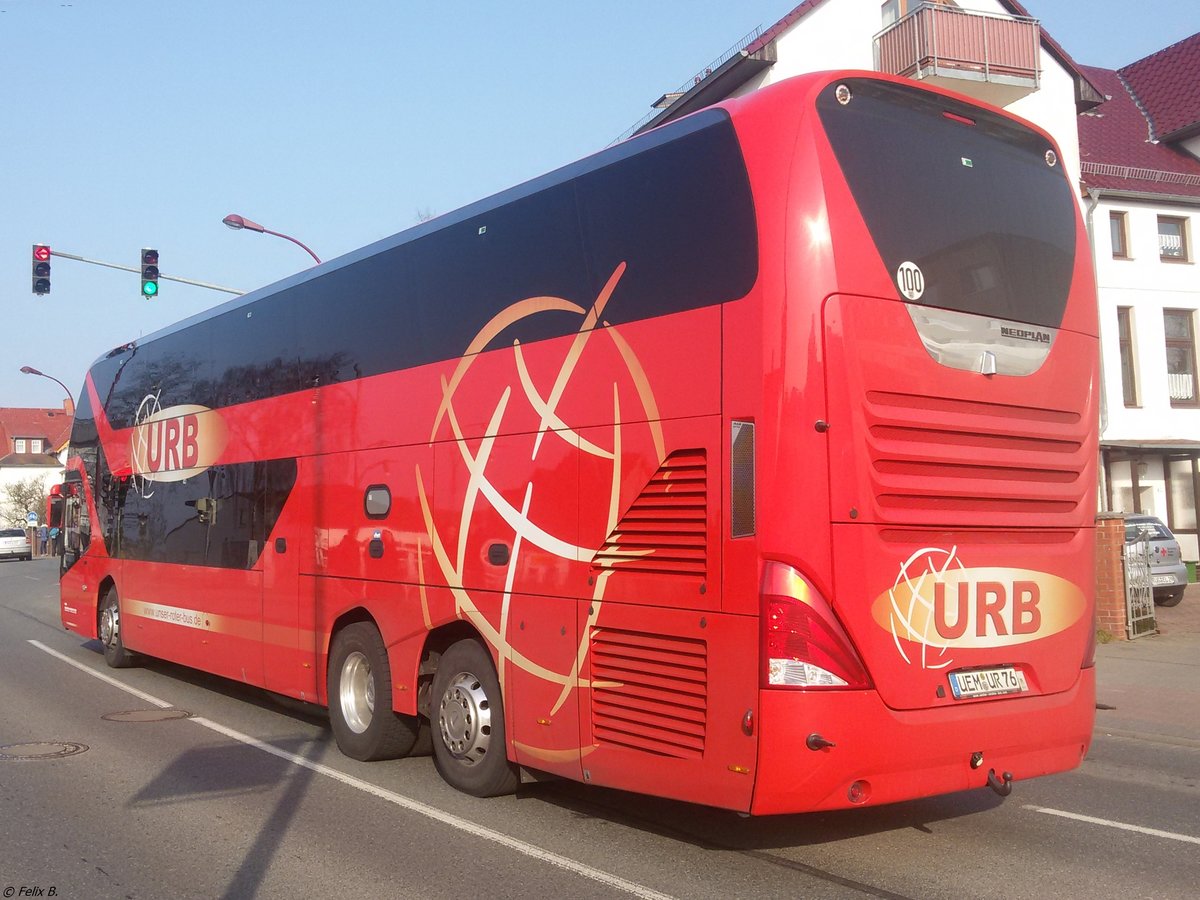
[
  {"x": 14, "y": 544},
  {"x": 1168, "y": 574}
]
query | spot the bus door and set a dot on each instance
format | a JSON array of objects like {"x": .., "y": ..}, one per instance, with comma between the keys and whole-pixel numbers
[
  {"x": 71, "y": 526},
  {"x": 277, "y": 539},
  {"x": 190, "y": 588},
  {"x": 283, "y": 669}
]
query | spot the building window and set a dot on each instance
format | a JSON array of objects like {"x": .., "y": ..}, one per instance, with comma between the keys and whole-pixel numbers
[
  {"x": 1179, "y": 327},
  {"x": 1172, "y": 239},
  {"x": 35, "y": 445},
  {"x": 1118, "y": 228},
  {"x": 18, "y": 445},
  {"x": 1128, "y": 363}
]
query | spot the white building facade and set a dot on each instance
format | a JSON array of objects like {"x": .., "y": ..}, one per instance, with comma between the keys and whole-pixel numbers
[{"x": 1141, "y": 175}]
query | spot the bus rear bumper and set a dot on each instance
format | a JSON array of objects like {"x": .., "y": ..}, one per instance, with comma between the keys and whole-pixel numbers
[{"x": 882, "y": 755}]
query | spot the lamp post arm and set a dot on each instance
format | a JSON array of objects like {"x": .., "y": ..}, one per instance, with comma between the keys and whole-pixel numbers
[
  {"x": 288, "y": 237},
  {"x": 70, "y": 396},
  {"x": 30, "y": 370}
]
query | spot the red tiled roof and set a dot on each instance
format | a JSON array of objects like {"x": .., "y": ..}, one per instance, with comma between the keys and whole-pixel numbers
[
  {"x": 1116, "y": 135},
  {"x": 53, "y": 425},
  {"x": 1167, "y": 84},
  {"x": 30, "y": 461}
]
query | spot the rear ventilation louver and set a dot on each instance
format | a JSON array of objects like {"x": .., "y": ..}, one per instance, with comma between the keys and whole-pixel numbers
[
  {"x": 968, "y": 461},
  {"x": 665, "y": 529},
  {"x": 649, "y": 692}
]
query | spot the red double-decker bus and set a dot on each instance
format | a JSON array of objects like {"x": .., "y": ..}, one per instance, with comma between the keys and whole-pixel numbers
[{"x": 748, "y": 462}]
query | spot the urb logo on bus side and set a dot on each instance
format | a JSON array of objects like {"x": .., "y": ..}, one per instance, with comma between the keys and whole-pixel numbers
[{"x": 175, "y": 443}]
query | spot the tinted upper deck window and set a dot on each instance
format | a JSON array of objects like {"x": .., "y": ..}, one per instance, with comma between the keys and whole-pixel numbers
[
  {"x": 674, "y": 206},
  {"x": 990, "y": 224}
]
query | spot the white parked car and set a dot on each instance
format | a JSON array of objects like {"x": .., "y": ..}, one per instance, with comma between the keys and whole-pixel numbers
[{"x": 14, "y": 544}]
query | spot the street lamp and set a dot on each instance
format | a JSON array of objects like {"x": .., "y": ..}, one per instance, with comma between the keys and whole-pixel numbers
[
  {"x": 30, "y": 370},
  {"x": 237, "y": 223}
]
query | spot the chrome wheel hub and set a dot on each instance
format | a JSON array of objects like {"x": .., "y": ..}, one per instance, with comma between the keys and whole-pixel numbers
[
  {"x": 110, "y": 625},
  {"x": 356, "y": 692},
  {"x": 465, "y": 719}
]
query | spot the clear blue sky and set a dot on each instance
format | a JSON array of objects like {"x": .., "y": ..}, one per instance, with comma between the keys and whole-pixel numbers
[{"x": 131, "y": 123}]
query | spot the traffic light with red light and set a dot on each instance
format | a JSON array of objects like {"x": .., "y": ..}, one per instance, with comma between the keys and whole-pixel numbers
[
  {"x": 41, "y": 269},
  {"x": 149, "y": 273}
]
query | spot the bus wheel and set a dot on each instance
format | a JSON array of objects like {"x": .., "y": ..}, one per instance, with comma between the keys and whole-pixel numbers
[
  {"x": 109, "y": 629},
  {"x": 359, "y": 682},
  {"x": 467, "y": 714}
]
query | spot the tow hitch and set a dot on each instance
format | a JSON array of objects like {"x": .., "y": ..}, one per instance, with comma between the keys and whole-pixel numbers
[{"x": 1001, "y": 787}]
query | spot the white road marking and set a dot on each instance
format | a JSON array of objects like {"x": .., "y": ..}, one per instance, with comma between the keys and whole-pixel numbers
[
  {"x": 108, "y": 679},
  {"x": 424, "y": 809},
  {"x": 1124, "y": 826}
]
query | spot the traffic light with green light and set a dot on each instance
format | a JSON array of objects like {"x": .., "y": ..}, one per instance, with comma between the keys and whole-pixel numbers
[
  {"x": 41, "y": 269},
  {"x": 149, "y": 272}
]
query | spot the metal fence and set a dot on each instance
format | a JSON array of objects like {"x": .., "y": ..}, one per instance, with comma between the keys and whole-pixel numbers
[
  {"x": 1094, "y": 168},
  {"x": 1139, "y": 591}
]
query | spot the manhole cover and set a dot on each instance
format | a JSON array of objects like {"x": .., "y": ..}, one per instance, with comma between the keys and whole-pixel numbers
[
  {"x": 147, "y": 715},
  {"x": 41, "y": 750}
]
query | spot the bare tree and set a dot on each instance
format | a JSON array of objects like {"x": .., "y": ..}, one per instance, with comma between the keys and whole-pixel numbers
[
  {"x": 424, "y": 214},
  {"x": 21, "y": 497}
]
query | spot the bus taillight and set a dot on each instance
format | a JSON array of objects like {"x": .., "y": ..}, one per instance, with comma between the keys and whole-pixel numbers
[
  {"x": 804, "y": 645},
  {"x": 1089, "y": 650}
]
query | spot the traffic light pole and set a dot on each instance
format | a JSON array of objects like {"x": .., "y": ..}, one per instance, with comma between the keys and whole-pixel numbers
[{"x": 97, "y": 262}]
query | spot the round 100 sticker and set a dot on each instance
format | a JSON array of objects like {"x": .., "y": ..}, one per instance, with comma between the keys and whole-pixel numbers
[{"x": 910, "y": 280}]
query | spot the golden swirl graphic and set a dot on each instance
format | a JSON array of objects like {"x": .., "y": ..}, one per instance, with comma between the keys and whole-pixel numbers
[{"x": 480, "y": 490}]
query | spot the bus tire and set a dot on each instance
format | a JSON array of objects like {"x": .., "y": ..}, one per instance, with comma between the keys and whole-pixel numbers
[
  {"x": 359, "y": 684},
  {"x": 467, "y": 718},
  {"x": 108, "y": 628}
]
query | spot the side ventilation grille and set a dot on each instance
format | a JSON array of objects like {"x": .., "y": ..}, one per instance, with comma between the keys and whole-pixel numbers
[
  {"x": 664, "y": 531},
  {"x": 649, "y": 692}
]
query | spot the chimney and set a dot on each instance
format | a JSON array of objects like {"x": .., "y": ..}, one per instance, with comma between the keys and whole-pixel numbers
[{"x": 69, "y": 406}]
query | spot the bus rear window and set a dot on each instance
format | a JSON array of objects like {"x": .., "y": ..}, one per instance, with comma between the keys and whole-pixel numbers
[{"x": 965, "y": 194}]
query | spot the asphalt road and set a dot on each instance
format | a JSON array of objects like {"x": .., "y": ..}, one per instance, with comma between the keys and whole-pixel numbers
[{"x": 248, "y": 797}]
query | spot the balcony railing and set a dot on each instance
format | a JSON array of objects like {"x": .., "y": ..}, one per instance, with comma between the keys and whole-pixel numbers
[
  {"x": 1182, "y": 386},
  {"x": 1115, "y": 171},
  {"x": 954, "y": 47}
]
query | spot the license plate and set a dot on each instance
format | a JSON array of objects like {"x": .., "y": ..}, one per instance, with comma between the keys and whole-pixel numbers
[
  {"x": 987, "y": 682},
  {"x": 1162, "y": 579}
]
